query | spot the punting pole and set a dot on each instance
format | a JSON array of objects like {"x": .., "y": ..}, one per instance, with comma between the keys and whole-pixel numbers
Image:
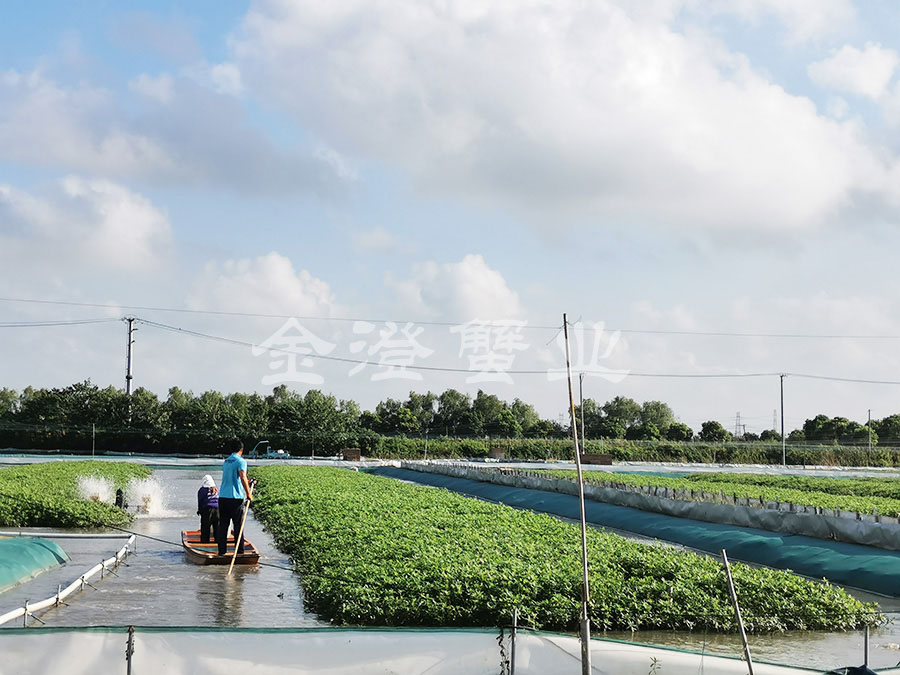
[
  {"x": 237, "y": 539},
  {"x": 512, "y": 640},
  {"x": 737, "y": 612},
  {"x": 586, "y": 595}
]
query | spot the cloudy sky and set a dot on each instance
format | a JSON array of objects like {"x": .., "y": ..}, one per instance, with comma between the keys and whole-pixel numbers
[{"x": 668, "y": 168}]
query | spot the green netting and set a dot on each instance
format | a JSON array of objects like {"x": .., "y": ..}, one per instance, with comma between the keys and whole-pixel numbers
[
  {"x": 852, "y": 565},
  {"x": 24, "y": 557}
]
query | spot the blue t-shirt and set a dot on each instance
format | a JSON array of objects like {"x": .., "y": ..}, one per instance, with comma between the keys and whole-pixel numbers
[{"x": 231, "y": 487}]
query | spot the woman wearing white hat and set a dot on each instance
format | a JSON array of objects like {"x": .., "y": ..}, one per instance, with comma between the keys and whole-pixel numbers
[{"x": 208, "y": 508}]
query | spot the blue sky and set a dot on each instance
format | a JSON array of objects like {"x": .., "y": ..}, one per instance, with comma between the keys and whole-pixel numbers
[{"x": 675, "y": 165}]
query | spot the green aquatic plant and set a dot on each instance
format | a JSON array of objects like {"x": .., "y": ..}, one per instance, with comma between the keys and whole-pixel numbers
[
  {"x": 375, "y": 551},
  {"x": 47, "y": 495},
  {"x": 857, "y": 495}
]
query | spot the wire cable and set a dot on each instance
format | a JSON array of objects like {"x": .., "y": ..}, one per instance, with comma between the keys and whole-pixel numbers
[
  {"x": 44, "y": 324},
  {"x": 636, "y": 331}
]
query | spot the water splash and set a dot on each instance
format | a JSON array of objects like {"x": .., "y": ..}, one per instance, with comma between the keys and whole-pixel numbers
[
  {"x": 96, "y": 488},
  {"x": 147, "y": 498}
]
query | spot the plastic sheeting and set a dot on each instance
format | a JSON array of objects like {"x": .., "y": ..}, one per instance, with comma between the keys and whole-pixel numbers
[
  {"x": 28, "y": 651},
  {"x": 25, "y": 557},
  {"x": 851, "y": 565}
]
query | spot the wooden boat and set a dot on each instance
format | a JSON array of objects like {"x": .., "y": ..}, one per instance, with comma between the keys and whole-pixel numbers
[{"x": 208, "y": 553}]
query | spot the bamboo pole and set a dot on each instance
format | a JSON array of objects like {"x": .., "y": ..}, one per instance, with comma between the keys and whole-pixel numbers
[
  {"x": 737, "y": 612},
  {"x": 586, "y": 596},
  {"x": 237, "y": 539}
]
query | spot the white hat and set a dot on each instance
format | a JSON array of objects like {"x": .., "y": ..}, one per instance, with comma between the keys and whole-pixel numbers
[{"x": 207, "y": 481}]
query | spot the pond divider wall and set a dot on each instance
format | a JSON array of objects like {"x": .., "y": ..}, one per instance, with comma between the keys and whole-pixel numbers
[{"x": 847, "y": 526}]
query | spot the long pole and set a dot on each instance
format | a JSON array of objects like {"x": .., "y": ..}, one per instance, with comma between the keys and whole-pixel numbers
[
  {"x": 93, "y": 438},
  {"x": 737, "y": 612},
  {"x": 586, "y": 595},
  {"x": 869, "y": 427},
  {"x": 237, "y": 539},
  {"x": 129, "y": 356},
  {"x": 783, "y": 450},
  {"x": 581, "y": 405}
]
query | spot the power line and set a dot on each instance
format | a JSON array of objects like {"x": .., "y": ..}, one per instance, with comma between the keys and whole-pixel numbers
[
  {"x": 636, "y": 331},
  {"x": 340, "y": 359},
  {"x": 49, "y": 323}
]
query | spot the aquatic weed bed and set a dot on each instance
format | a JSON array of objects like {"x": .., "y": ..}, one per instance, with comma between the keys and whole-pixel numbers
[
  {"x": 46, "y": 495},
  {"x": 374, "y": 551},
  {"x": 795, "y": 489}
]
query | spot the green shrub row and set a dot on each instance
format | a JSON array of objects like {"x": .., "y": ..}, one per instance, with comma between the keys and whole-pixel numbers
[
  {"x": 374, "y": 551},
  {"x": 46, "y": 495},
  {"x": 857, "y": 487},
  {"x": 372, "y": 444},
  {"x": 732, "y": 486}
]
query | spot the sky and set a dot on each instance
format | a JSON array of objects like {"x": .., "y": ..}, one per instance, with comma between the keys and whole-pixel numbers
[{"x": 409, "y": 196}]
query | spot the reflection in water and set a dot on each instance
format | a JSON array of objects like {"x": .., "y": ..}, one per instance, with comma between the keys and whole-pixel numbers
[{"x": 159, "y": 587}]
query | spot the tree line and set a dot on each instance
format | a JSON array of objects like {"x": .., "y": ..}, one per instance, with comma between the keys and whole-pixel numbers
[{"x": 74, "y": 416}]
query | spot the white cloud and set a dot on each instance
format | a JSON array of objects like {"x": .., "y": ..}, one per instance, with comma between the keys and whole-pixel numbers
[
  {"x": 866, "y": 72},
  {"x": 268, "y": 284},
  {"x": 564, "y": 111},
  {"x": 804, "y": 19},
  {"x": 462, "y": 291},
  {"x": 160, "y": 88},
  {"x": 182, "y": 133},
  {"x": 84, "y": 223},
  {"x": 226, "y": 78},
  {"x": 378, "y": 239}
]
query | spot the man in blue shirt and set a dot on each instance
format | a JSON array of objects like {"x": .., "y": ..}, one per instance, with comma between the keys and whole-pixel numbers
[{"x": 234, "y": 489}]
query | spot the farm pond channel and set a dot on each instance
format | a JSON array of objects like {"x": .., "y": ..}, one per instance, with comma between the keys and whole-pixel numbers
[{"x": 158, "y": 587}]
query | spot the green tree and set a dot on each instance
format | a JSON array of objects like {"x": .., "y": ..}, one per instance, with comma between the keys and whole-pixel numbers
[
  {"x": 643, "y": 432},
  {"x": 525, "y": 415},
  {"x": 486, "y": 409},
  {"x": 770, "y": 435},
  {"x": 9, "y": 403},
  {"x": 623, "y": 411},
  {"x": 888, "y": 429},
  {"x": 453, "y": 412},
  {"x": 714, "y": 432},
  {"x": 679, "y": 431},
  {"x": 658, "y": 414}
]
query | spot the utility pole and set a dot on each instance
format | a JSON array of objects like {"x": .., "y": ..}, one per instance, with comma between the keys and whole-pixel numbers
[
  {"x": 783, "y": 450},
  {"x": 129, "y": 355},
  {"x": 585, "y": 590},
  {"x": 869, "y": 428},
  {"x": 581, "y": 398}
]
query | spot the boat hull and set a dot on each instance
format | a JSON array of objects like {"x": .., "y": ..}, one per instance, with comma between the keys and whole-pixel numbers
[{"x": 208, "y": 553}]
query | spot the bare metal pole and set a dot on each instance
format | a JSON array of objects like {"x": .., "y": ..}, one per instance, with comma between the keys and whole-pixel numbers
[
  {"x": 737, "y": 612},
  {"x": 586, "y": 595},
  {"x": 129, "y": 649},
  {"x": 866, "y": 647},
  {"x": 783, "y": 451}
]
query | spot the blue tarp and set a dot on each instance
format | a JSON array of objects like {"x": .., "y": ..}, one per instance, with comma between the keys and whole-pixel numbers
[{"x": 21, "y": 558}]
